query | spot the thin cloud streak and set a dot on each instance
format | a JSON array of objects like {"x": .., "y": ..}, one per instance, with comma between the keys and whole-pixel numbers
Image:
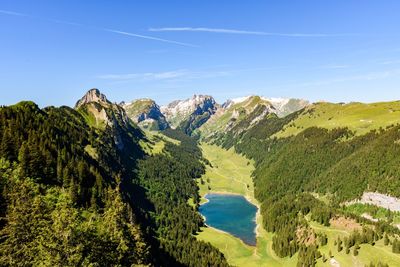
[
  {"x": 150, "y": 38},
  {"x": 144, "y": 76},
  {"x": 182, "y": 74},
  {"x": 362, "y": 77},
  {"x": 6, "y": 12},
  {"x": 243, "y": 32},
  {"x": 389, "y": 62},
  {"x": 167, "y": 75},
  {"x": 12, "y": 13},
  {"x": 335, "y": 67}
]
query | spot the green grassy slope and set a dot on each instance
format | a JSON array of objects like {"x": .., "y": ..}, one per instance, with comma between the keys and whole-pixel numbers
[
  {"x": 231, "y": 173},
  {"x": 358, "y": 117},
  {"x": 232, "y": 116},
  {"x": 156, "y": 142},
  {"x": 367, "y": 253}
]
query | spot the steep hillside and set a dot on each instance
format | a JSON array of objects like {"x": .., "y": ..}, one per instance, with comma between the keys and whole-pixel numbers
[
  {"x": 358, "y": 117},
  {"x": 103, "y": 115},
  {"x": 76, "y": 188},
  {"x": 191, "y": 113},
  {"x": 286, "y": 106},
  {"x": 236, "y": 115},
  {"x": 282, "y": 106},
  {"x": 146, "y": 114},
  {"x": 331, "y": 156},
  {"x": 62, "y": 202}
]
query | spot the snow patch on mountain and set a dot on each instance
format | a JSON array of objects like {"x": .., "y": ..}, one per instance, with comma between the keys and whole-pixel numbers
[
  {"x": 180, "y": 110},
  {"x": 277, "y": 102}
]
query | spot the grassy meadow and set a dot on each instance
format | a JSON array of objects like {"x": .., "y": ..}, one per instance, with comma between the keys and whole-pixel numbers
[
  {"x": 358, "y": 117},
  {"x": 231, "y": 173}
]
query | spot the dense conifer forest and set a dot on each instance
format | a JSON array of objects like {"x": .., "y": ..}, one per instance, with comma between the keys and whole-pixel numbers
[{"x": 71, "y": 196}]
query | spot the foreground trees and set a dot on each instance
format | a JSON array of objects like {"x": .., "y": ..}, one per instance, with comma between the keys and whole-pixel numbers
[{"x": 71, "y": 195}]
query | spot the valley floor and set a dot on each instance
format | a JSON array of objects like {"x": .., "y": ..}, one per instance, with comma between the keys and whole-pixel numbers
[{"x": 231, "y": 173}]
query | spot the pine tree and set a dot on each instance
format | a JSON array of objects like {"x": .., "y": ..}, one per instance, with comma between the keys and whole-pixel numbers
[
  {"x": 396, "y": 246},
  {"x": 7, "y": 146},
  {"x": 386, "y": 239},
  {"x": 339, "y": 245}
]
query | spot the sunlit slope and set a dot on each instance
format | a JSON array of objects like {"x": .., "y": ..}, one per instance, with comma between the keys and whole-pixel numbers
[
  {"x": 155, "y": 142},
  {"x": 228, "y": 173},
  {"x": 227, "y": 117},
  {"x": 231, "y": 173},
  {"x": 358, "y": 117},
  {"x": 367, "y": 253}
]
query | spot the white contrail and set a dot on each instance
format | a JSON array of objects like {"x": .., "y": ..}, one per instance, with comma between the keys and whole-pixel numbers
[
  {"x": 234, "y": 31},
  {"x": 12, "y": 13},
  {"x": 150, "y": 37}
]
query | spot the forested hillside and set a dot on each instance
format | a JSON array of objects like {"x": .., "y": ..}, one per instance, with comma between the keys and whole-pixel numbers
[
  {"x": 78, "y": 189},
  {"x": 309, "y": 175},
  {"x": 61, "y": 205},
  {"x": 83, "y": 186},
  {"x": 168, "y": 178}
]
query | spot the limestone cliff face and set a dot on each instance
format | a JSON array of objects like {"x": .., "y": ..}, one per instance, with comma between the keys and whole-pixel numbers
[
  {"x": 147, "y": 114},
  {"x": 180, "y": 111},
  {"x": 105, "y": 115},
  {"x": 93, "y": 95},
  {"x": 188, "y": 115}
]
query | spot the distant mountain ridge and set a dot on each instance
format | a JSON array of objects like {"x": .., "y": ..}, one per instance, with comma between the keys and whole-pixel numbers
[
  {"x": 179, "y": 111},
  {"x": 238, "y": 114},
  {"x": 191, "y": 114}
]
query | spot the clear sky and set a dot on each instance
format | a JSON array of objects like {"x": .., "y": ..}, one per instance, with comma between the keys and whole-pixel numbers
[{"x": 51, "y": 52}]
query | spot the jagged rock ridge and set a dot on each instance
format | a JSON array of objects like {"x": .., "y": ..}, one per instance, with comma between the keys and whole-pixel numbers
[
  {"x": 93, "y": 95},
  {"x": 146, "y": 113},
  {"x": 190, "y": 113},
  {"x": 236, "y": 114}
]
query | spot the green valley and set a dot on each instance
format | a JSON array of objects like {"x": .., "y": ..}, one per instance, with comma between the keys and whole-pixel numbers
[
  {"x": 231, "y": 173},
  {"x": 325, "y": 180}
]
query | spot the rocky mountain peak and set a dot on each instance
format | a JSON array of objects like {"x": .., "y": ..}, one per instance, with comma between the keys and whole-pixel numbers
[
  {"x": 180, "y": 110},
  {"x": 102, "y": 113},
  {"x": 93, "y": 95},
  {"x": 146, "y": 113},
  {"x": 280, "y": 106}
]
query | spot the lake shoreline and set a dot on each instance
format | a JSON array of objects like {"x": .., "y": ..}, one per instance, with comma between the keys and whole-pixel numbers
[
  {"x": 252, "y": 200},
  {"x": 248, "y": 200}
]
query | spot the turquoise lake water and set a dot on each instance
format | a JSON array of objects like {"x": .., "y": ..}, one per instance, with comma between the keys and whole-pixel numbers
[{"x": 232, "y": 214}]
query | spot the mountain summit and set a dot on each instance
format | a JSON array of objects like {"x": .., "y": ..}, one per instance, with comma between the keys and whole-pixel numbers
[
  {"x": 101, "y": 113},
  {"x": 93, "y": 95},
  {"x": 282, "y": 106},
  {"x": 182, "y": 111}
]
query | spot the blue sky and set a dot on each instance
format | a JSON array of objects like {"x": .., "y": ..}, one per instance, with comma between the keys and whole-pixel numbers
[{"x": 51, "y": 52}]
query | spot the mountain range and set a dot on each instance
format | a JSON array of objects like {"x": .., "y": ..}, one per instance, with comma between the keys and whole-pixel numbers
[
  {"x": 105, "y": 184},
  {"x": 191, "y": 114}
]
